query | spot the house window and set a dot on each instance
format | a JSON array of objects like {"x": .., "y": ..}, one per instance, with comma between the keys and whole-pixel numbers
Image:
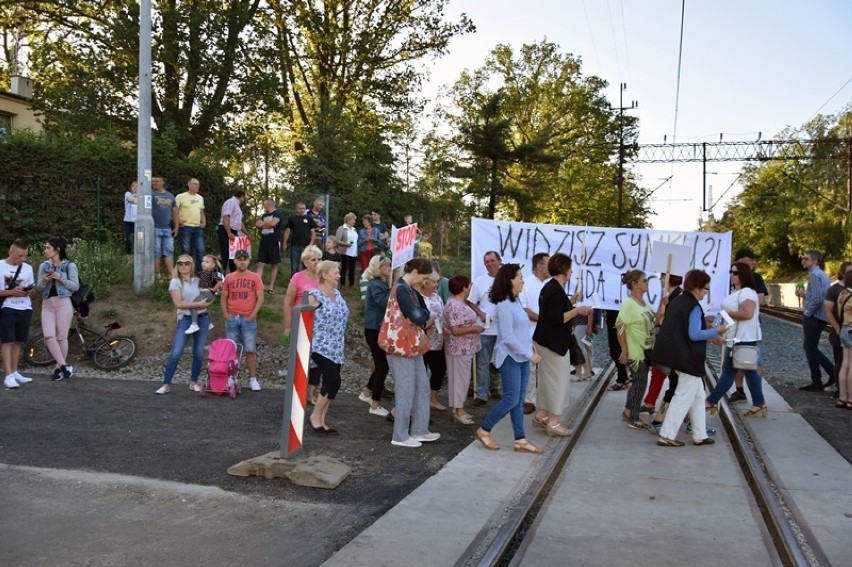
[{"x": 5, "y": 125}]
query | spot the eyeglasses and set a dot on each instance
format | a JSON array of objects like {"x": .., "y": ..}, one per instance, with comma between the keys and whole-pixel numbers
[
  {"x": 184, "y": 263},
  {"x": 734, "y": 272}
]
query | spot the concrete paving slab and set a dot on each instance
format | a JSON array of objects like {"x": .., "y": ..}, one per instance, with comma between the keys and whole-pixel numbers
[
  {"x": 54, "y": 517},
  {"x": 624, "y": 500}
]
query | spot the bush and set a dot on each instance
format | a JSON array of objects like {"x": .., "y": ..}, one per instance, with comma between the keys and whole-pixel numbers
[{"x": 101, "y": 265}]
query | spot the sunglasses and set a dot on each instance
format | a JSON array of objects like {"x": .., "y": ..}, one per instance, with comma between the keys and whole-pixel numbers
[
  {"x": 184, "y": 263},
  {"x": 734, "y": 272}
]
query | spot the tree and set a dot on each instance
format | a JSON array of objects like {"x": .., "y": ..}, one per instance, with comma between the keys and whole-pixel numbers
[{"x": 537, "y": 140}]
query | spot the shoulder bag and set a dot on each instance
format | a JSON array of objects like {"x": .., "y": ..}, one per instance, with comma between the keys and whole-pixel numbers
[
  {"x": 744, "y": 354},
  {"x": 13, "y": 283},
  {"x": 398, "y": 335}
]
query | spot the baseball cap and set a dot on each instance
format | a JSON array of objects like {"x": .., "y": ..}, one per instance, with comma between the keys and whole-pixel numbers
[
  {"x": 745, "y": 253},
  {"x": 241, "y": 254}
]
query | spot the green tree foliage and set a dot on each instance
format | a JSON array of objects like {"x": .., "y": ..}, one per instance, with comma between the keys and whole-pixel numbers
[
  {"x": 532, "y": 139},
  {"x": 788, "y": 206},
  {"x": 74, "y": 186}
]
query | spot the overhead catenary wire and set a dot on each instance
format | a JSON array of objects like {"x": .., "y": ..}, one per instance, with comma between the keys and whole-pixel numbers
[
  {"x": 592, "y": 35},
  {"x": 823, "y": 105}
]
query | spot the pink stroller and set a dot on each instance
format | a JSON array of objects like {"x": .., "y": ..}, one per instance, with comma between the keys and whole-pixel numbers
[{"x": 223, "y": 369}]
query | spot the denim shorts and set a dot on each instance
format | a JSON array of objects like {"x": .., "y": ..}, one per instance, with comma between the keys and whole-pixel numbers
[
  {"x": 164, "y": 243},
  {"x": 846, "y": 337},
  {"x": 242, "y": 331}
]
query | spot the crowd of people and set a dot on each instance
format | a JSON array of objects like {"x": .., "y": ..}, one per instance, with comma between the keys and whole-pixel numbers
[{"x": 427, "y": 330}]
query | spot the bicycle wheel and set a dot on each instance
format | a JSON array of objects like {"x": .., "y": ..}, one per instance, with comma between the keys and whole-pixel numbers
[
  {"x": 36, "y": 353},
  {"x": 114, "y": 354}
]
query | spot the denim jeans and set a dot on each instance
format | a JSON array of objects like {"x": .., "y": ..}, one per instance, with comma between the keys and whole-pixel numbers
[
  {"x": 726, "y": 380},
  {"x": 812, "y": 330},
  {"x": 515, "y": 376},
  {"x": 164, "y": 243},
  {"x": 179, "y": 343},
  {"x": 296, "y": 258},
  {"x": 242, "y": 331},
  {"x": 192, "y": 243},
  {"x": 483, "y": 366}
]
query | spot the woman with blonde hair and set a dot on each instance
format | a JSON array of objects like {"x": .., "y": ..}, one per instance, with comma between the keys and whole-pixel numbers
[
  {"x": 347, "y": 246},
  {"x": 184, "y": 288},
  {"x": 378, "y": 290},
  {"x": 300, "y": 283},
  {"x": 330, "y": 319}
]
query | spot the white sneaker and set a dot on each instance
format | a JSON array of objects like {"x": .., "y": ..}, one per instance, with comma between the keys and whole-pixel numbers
[
  {"x": 410, "y": 442},
  {"x": 254, "y": 384},
  {"x": 193, "y": 328},
  {"x": 195, "y": 386},
  {"x": 21, "y": 379},
  {"x": 379, "y": 411},
  {"x": 163, "y": 390},
  {"x": 10, "y": 382},
  {"x": 210, "y": 327},
  {"x": 365, "y": 399},
  {"x": 427, "y": 437}
]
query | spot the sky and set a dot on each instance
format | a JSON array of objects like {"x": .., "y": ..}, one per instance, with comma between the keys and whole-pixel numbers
[{"x": 749, "y": 68}]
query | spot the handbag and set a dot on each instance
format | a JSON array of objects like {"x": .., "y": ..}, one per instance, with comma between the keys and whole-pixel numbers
[
  {"x": 743, "y": 354},
  {"x": 398, "y": 335}
]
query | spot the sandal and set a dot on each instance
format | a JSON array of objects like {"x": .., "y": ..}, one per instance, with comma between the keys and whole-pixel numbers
[
  {"x": 638, "y": 424},
  {"x": 756, "y": 411},
  {"x": 465, "y": 419},
  {"x": 484, "y": 437},
  {"x": 647, "y": 409},
  {"x": 665, "y": 442},
  {"x": 524, "y": 446},
  {"x": 840, "y": 404},
  {"x": 538, "y": 422},
  {"x": 706, "y": 441},
  {"x": 619, "y": 386},
  {"x": 558, "y": 431},
  {"x": 711, "y": 408}
]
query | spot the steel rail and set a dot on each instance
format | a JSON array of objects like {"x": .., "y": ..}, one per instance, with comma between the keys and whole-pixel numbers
[{"x": 496, "y": 542}]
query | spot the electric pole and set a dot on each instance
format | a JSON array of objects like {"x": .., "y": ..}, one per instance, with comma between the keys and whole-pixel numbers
[
  {"x": 143, "y": 232},
  {"x": 621, "y": 159}
]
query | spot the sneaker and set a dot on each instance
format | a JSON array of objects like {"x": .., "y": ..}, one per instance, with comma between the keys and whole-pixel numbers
[
  {"x": 710, "y": 431},
  {"x": 410, "y": 442},
  {"x": 10, "y": 382},
  {"x": 811, "y": 388},
  {"x": 254, "y": 385},
  {"x": 736, "y": 397},
  {"x": 364, "y": 398},
  {"x": 193, "y": 328},
  {"x": 478, "y": 402},
  {"x": 379, "y": 411},
  {"x": 67, "y": 371},
  {"x": 57, "y": 375},
  {"x": 655, "y": 427},
  {"x": 210, "y": 327},
  {"x": 830, "y": 384},
  {"x": 195, "y": 386},
  {"x": 164, "y": 389},
  {"x": 426, "y": 437},
  {"x": 21, "y": 379}
]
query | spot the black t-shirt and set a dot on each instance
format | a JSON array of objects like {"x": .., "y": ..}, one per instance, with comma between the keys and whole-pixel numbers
[
  {"x": 760, "y": 285},
  {"x": 300, "y": 230},
  {"x": 832, "y": 295}
]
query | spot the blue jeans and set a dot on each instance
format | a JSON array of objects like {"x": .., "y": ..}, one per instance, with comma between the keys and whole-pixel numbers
[
  {"x": 296, "y": 258},
  {"x": 483, "y": 366},
  {"x": 812, "y": 330},
  {"x": 179, "y": 343},
  {"x": 516, "y": 376},
  {"x": 753, "y": 381},
  {"x": 242, "y": 331},
  {"x": 192, "y": 243}
]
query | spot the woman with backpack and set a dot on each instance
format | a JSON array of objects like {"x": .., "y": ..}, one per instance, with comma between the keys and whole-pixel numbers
[{"x": 57, "y": 281}]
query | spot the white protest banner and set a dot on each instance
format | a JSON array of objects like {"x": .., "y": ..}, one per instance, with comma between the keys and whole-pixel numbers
[
  {"x": 402, "y": 244},
  {"x": 675, "y": 258},
  {"x": 609, "y": 252}
]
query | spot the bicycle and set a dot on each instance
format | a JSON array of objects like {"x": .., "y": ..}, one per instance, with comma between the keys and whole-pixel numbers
[{"x": 108, "y": 352}]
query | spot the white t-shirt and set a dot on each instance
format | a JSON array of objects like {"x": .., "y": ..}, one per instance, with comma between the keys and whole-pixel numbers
[
  {"x": 479, "y": 295},
  {"x": 24, "y": 279},
  {"x": 529, "y": 297},
  {"x": 130, "y": 206},
  {"x": 352, "y": 239},
  {"x": 743, "y": 331}
]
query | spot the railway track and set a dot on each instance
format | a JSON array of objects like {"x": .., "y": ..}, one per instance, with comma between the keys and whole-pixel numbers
[
  {"x": 785, "y": 313},
  {"x": 511, "y": 533}
]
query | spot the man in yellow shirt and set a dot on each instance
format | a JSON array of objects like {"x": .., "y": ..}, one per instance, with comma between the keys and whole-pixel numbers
[{"x": 190, "y": 206}]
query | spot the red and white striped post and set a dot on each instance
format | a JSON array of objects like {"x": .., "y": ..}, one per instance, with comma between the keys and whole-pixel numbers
[{"x": 296, "y": 393}]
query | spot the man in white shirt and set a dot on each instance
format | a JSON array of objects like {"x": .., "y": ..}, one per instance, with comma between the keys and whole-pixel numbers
[
  {"x": 481, "y": 304},
  {"x": 16, "y": 278},
  {"x": 529, "y": 301}
]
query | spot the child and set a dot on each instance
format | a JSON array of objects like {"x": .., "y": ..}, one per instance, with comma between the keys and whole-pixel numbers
[
  {"x": 209, "y": 282},
  {"x": 331, "y": 252}
]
